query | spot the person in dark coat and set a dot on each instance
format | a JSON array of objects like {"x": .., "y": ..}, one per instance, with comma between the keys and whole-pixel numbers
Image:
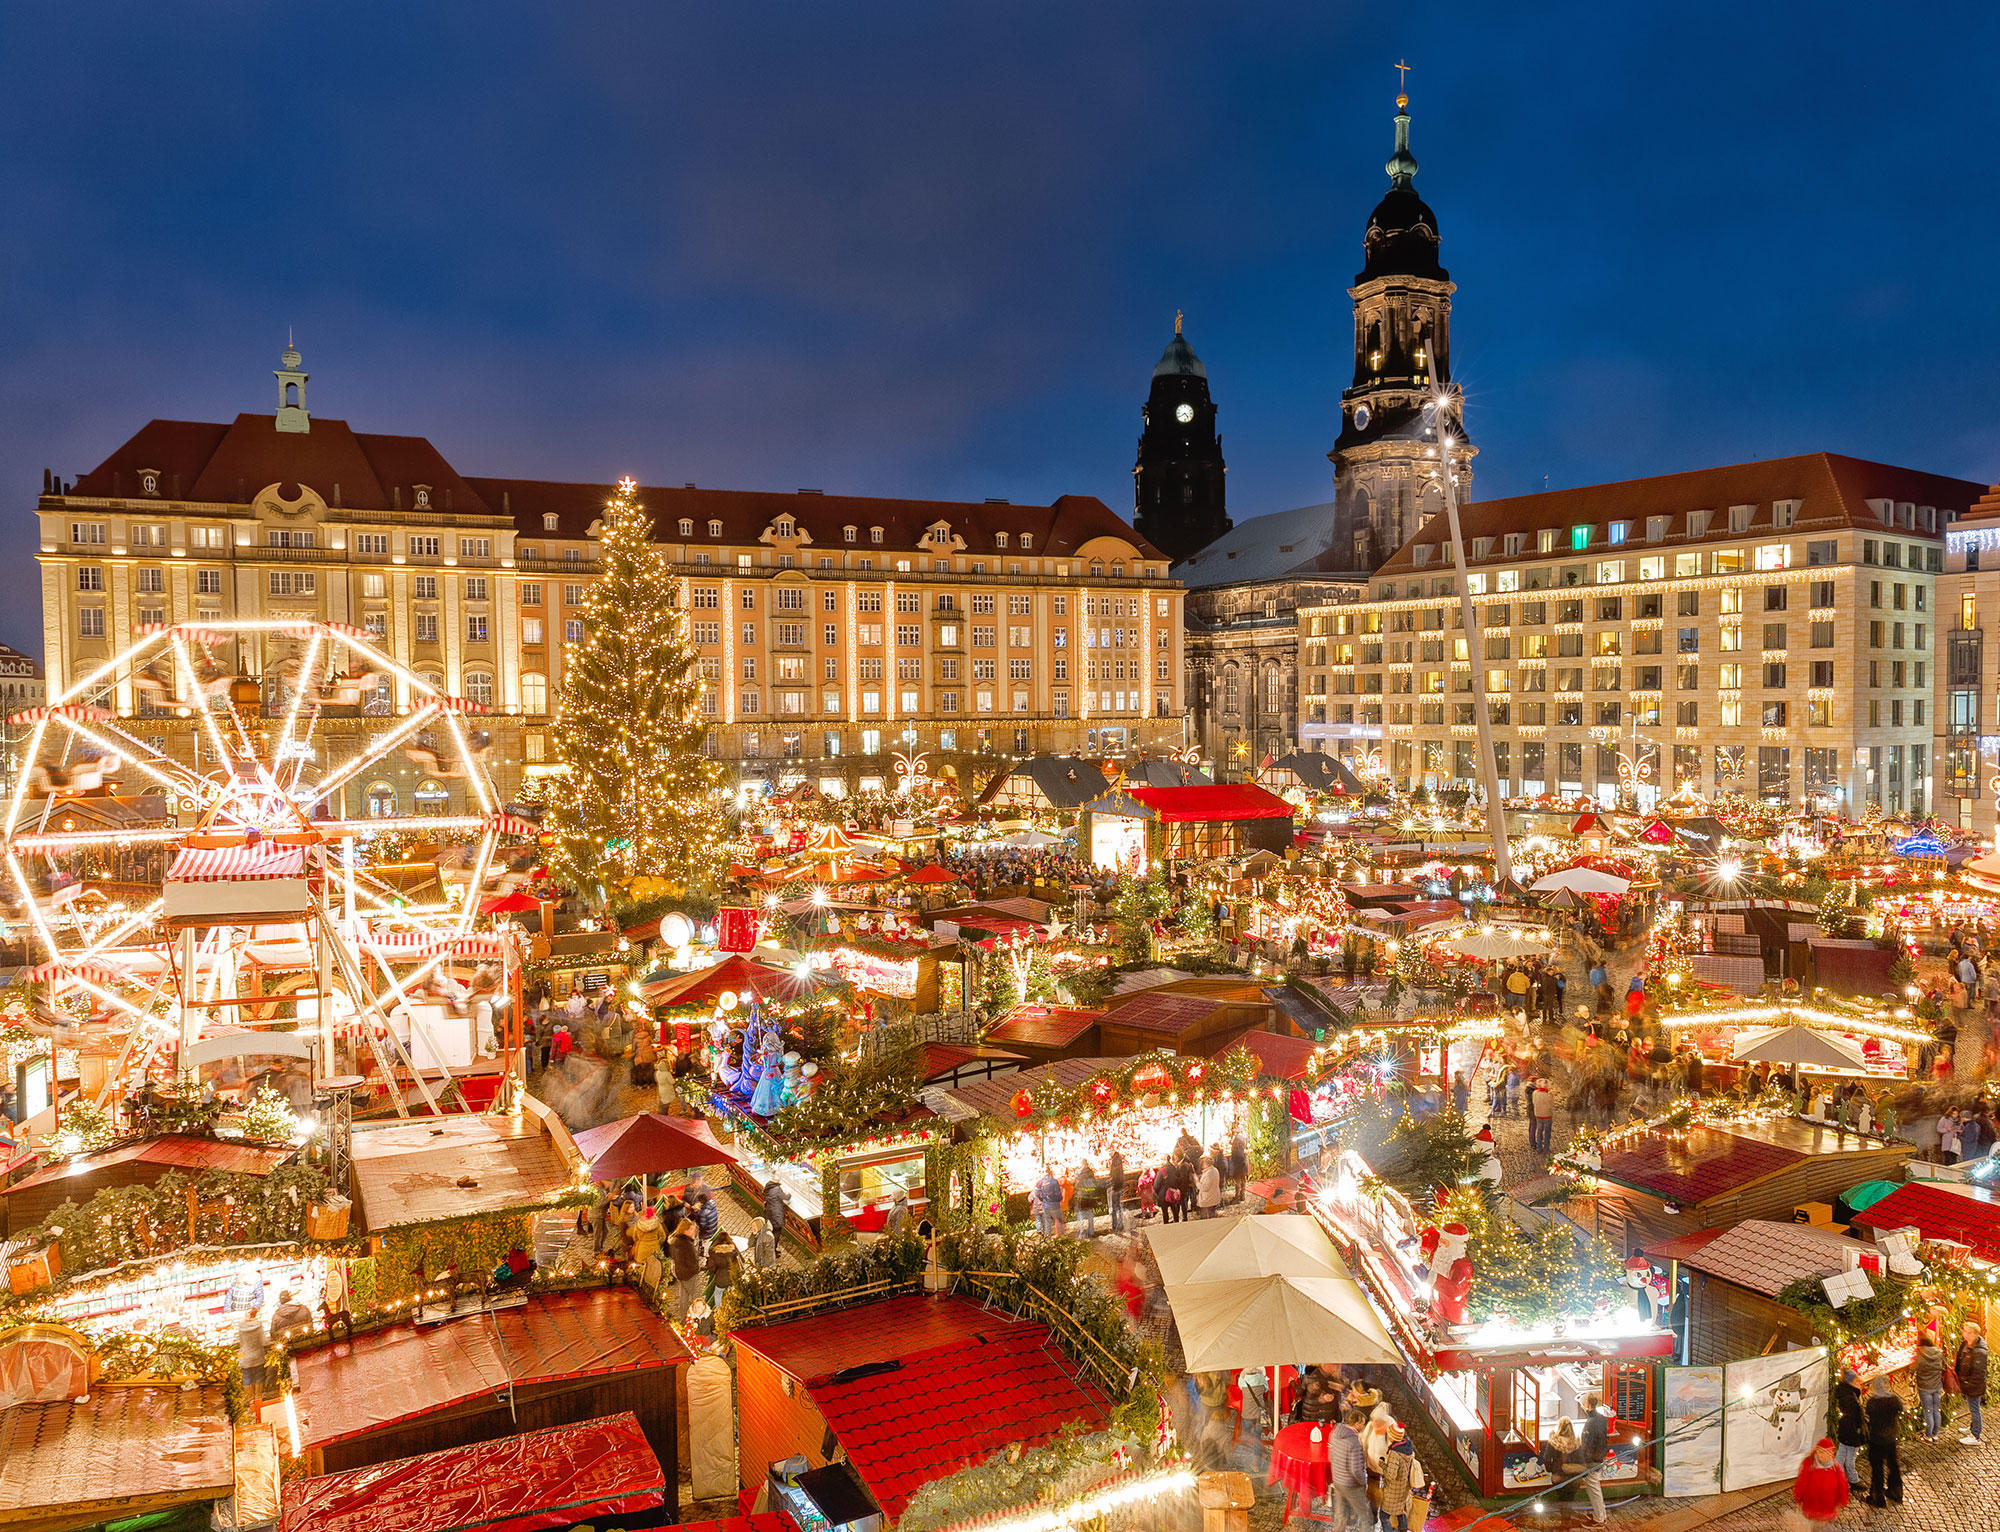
[
  {"x": 1239, "y": 1164},
  {"x": 1850, "y": 1429},
  {"x": 1969, "y": 1363},
  {"x": 1885, "y": 1470},
  {"x": 1114, "y": 1190},
  {"x": 707, "y": 1215},
  {"x": 774, "y": 1206},
  {"x": 685, "y": 1256}
]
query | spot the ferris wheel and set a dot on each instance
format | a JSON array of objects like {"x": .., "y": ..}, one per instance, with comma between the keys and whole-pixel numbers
[{"x": 189, "y": 886}]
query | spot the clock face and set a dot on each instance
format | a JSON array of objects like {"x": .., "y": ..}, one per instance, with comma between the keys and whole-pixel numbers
[
  {"x": 1360, "y": 417},
  {"x": 1184, "y": 413}
]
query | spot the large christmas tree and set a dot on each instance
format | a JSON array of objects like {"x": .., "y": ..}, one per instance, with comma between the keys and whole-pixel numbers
[{"x": 640, "y": 798}]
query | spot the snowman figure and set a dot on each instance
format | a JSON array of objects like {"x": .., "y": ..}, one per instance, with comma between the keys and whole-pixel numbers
[
  {"x": 1490, "y": 1169},
  {"x": 794, "y": 1079}
]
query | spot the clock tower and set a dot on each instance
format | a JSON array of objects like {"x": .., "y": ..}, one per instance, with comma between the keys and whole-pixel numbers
[
  {"x": 1179, "y": 502},
  {"x": 1385, "y": 468}
]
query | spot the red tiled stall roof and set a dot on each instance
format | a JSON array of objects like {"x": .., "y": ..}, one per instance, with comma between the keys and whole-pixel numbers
[
  {"x": 1279, "y": 1055},
  {"x": 120, "y": 1451},
  {"x": 1705, "y": 1163},
  {"x": 1766, "y": 1257},
  {"x": 538, "y": 1479},
  {"x": 1971, "y": 1217},
  {"x": 991, "y": 1098},
  {"x": 1212, "y": 804},
  {"x": 170, "y": 1153},
  {"x": 1681, "y": 1246},
  {"x": 355, "y": 1388},
  {"x": 1036, "y": 1027},
  {"x": 962, "y": 1382},
  {"x": 1167, "y": 1015}
]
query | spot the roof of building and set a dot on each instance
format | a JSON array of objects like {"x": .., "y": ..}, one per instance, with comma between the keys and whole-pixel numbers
[
  {"x": 172, "y": 1152},
  {"x": 943, "y": 1383},
  {"x": 1279, "y": 1055},
  {"x": 1681, "y": 1245},
  {"x": 590, "y": 1470},
  {"x": 1833, "y": 492},
  {"x": 1179, "y": 359},
  {"x": 1035, "y": 1026},
  {"x": 375, "y": 1381},
  {"x": 991, "y": 1098},
  {"x": 1167, "y": 1014},
  {"x": 1211, "y": 803},
  {"x": 408, "y": 1172},
  {"x": 117, "y": 1452},
  {"x": 1163, "y": 771},
  {"x": 1704, "y": 1162},
  {"x": 1263, "y": 548},
  {"x": 1402, "y": 236},
  {"x": 1067, "y": 782},
  {"x": 1320, "y": 772},
  {"x": 211, "y": 463},
  {"x": 1968, "y": 1214},
  {"x": 1767, "y": 1257}
]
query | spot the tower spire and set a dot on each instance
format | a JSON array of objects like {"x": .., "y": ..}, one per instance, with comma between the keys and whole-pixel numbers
[
  {"x": 1402, "y": 166},
  {"x": 1177, "y": 321}
]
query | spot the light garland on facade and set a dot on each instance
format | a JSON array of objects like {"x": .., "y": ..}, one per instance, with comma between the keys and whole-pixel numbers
[
  {"x": 1120, "y": 1495},
  {"x": 1798, "y": 1015}
]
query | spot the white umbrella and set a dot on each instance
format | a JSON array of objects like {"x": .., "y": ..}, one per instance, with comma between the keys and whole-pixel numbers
[
  {"x": 1802, "y": 1047},
  {"x": 1273, "y": 1321},
  {"x": 1229, "y": 1249},
  {"x": 1582, "y": 880},
  {"x": 1494, "y": 945}
]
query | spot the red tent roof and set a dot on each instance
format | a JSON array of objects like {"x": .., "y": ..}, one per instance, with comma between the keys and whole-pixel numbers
[
  {"x": 552, "y": 1478},
  {"x": 649, "y": 1145},
  {"x": 736, "y": 972},
  {"x": 968, "y": 1382},
  {"x": 1279, "y": 1055},
  {"x": 376, "y": 1381},
  {"x": 935, "y": 874},
  {"x": 1970, "y": 1217},
  {"x": 1223, "y": 801}
]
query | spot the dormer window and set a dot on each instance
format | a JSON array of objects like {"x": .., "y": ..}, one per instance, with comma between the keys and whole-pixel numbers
[
  {"x": 1117, "y": 569},
  {"x": 1656, "y": 529},
  {"x": 149, "y": 481},
  {"x": 874, "y": 534},
  {"x": 784, "y": 527},
  {"x": 1515, "y": 542},
  {"x": 715, "y": 529},
  {"x": 550, "y": 521},
  {"x": 1482, "y": 547},
  {"x": 999, "y": 539},
  {"x": 1027, "y": 541},
  {"x": 1617, "y": 531},
  {"x": 687, "y": 526},
  {"x": 1097, "y": 569},
  {"x": 423, "y": 501},
  {"x": 849, "y": 534}
]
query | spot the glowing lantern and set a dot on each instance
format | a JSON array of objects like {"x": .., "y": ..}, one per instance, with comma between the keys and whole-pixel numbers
[{"x": 1024, "y": 1104}]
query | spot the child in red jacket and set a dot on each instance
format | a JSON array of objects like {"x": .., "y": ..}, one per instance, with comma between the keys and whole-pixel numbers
[{"x": 1820, "y": 1491}]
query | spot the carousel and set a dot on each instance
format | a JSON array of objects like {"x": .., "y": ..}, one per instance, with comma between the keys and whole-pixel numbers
[{"x": 255, "y": 941}]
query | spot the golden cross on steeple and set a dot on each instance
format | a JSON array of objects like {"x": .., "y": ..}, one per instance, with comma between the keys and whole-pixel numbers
[
  {"x": 1177, "y": 321},
  {"x": 1402, "y": 76}
]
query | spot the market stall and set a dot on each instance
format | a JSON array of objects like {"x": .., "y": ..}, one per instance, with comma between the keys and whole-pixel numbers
[{"x": 1131, "y": 829}]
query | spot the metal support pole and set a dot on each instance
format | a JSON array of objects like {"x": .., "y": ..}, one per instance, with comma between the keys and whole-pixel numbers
[{"x": 1496, "y": 814}]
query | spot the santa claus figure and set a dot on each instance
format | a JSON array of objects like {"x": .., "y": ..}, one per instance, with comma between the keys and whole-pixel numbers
[
  {"x": 1451, "y": 1272},
  {"x": 1489, "y": 1169}
]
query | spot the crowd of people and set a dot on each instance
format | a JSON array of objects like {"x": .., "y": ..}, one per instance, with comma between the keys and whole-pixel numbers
[{"x": 1191, "y": 1182}]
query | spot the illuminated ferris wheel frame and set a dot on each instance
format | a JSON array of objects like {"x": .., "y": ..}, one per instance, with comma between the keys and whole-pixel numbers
[{"x": 246, "y": 799}]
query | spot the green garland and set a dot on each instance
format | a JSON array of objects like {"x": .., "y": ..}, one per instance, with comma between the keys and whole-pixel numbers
[
  {"x": 1156, "y": 1073},
  {"x": 128, "y": 1223},
  {"x": 1006, "y": 1483}
]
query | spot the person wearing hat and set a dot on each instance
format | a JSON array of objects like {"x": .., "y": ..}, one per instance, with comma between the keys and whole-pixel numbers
[
  {"x": 1402, "y": 1480},
  {"x": 1820, "y": 1491},
  {"x": 684, "y": 1252},
  {"x": 1849, "y": 1430},
  {"x": 290, "y": 1320}
]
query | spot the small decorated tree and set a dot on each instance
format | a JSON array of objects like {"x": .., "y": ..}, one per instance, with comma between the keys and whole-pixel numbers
[{"x": 640, "y": 797}]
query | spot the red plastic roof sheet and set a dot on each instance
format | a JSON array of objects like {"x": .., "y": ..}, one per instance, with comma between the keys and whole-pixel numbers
[
  {"x": 552, "y": 1478},
  {"x": 1971, "y": 1218},
  {"x": 969, "y": 1381},
  {"x": 359, "y": 1387},
  {"x": 1223, "y": 801},
  {"x": 1705, "y": 1163}
]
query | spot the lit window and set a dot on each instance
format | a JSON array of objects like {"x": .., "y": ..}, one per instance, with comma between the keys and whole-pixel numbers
[{"x": 1579, "y": 537}]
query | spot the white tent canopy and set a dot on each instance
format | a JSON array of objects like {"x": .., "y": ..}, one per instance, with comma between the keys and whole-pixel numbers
[
  {"x": 1582, "y": 880},
  {"x": 1495, "y": 944},
  {"x": 1264, "y": 1291},
  {"x": 1801, "y": 1047}
]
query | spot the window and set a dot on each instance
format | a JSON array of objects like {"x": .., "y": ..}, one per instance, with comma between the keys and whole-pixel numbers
[
  {"x": 479, "y": 687},
  {"x": 90, "y": 621},
  {"x": 427, "y": 627},
  {"x": 572, "y": 630},
  {"x": 1774, "y": 636},
  {"x": 832, "y": 634},
  {"x": 476, "y": 548},
  {"x": 708, "y": 632},
  {"x": 1774, "y": 598},
  {"x": 792, "y": 634},
  {"x": 424, "y": 587},
  {"x": 715, "y": 529},
  {"x": 89, "y": 577},
  {"x": 376, "y": 624},
  {"x": 423, "y": 547},
  {"x": 874, "y": 534},
  {"x": 751, "y": 701},
  {"x": 208, "y": 582},
  {"x": 1579, "y": 537},
  {"x": 206, "y": 537},
  {"x": 1774, "y": 677},
  {"x": 1688, "y": 641},
  {"x": 374, "y": 587},
  {"x": 475, "y": 588},
  {"x": 790, "y": 599},
  {"x": 531, "y": 631},
  {"x": 288, "y": 582},
  {"x": 86, "y": 531},
  {"x": 1615, "y": 533},
  {"x": 1687, "y": 715},
  {"x": 1774, "y": 715},
  {"x": 572, "y": 595},
  {"x": 750, "y": 633},
  {"x": 1027, "y": 541}
]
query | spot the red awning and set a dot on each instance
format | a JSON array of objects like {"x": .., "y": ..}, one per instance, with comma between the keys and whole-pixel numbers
[
  {"x": 553, "y": 1478},
  {"x": 1222, "y": 801},
  {"x": 650, "y": 1145},
  {"x": 735, "y": 973},
  {"x": 235, "y": 864},
  {"x": 935, "y": 874}
]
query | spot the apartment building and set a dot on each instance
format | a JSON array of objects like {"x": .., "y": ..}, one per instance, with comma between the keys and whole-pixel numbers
[
  {"x": 834, "y": 632},
  {"x": 1968, "y": 703},
  {"x": 1766, "y": 629}
]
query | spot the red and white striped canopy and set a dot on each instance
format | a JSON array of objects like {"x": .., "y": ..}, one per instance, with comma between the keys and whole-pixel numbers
[
  {"x": 412, "y": 944},
  {"x": 57, "y": 973},
  {"x": 486, "y": 944},
  {"x": 232, "y": 864},
  {"x": 514, "y": 824},
  {"x": 80, "y": 710},
  {"x": 459, "y": 705}
]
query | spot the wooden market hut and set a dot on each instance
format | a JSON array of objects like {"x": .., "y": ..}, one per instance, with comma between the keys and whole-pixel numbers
[
  {"x": 1044, "y": 784},
  {"x": 1734, "y": 1280},
  {"x": 1667, "y": 1183},
  {"x": 908, "y": 1389},
  {"x": 138, "y": 1455},
  {"x": 140, "y": 1163},
  {"x": 1314, "y": 771},
  {"x": 1185, "y": 1015},
  {"x": 1173, "y": 824},
  {"x": 428, "y": 1168},
  {"x": 1041, "y": 1034},
  {"x": 557, "y": 1359}
]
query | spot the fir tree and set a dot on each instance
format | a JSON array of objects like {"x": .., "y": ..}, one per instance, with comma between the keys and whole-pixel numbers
[{"x": 640, "y": 798}]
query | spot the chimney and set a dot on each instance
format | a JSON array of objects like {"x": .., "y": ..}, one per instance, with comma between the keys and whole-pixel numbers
[
  {"x": 447, "y": 497},
  {"x": 396, "y": 494},
  {"x": 506, "y": 502},
  {"x": 48, "y": 482},
  {"x": 336, "y": 491}
]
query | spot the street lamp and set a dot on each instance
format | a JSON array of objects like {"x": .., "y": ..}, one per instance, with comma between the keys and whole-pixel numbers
[{"x": 1443, "y": 408}]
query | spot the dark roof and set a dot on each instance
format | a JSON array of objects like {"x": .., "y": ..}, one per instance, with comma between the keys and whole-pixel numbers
[
  {"x": 1068, "y": 783},
  {"x": 1208, "y": 804},
  {"x": 1970, "y": 1216},
  {"x": 964, "y": 1382},
  {"x": 1162, "y": 771},
  {"x": 371, "y": 1384},
  {"x": 169, "y": 1153},
  {"x": 1179, "y": 359},
  {"x": 1402, "y": 239},
  {"x": 1279, "y": 1055},
  {"x": 226, "y": 465},
  {"x": 990, "y": 1098},
  {"x": 410, "y": 1172},
  {"x": 1062, "y": 526},
  {"x": 1833, "y": 493},
  {"x": 1319, "y": 771},
  {"x": 1705, "y": 1162}
]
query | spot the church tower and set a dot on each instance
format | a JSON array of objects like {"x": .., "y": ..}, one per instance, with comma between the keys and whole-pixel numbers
[
  {"x": 1179, "y": 500},
  {"x": 1385, "y": 461}
]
